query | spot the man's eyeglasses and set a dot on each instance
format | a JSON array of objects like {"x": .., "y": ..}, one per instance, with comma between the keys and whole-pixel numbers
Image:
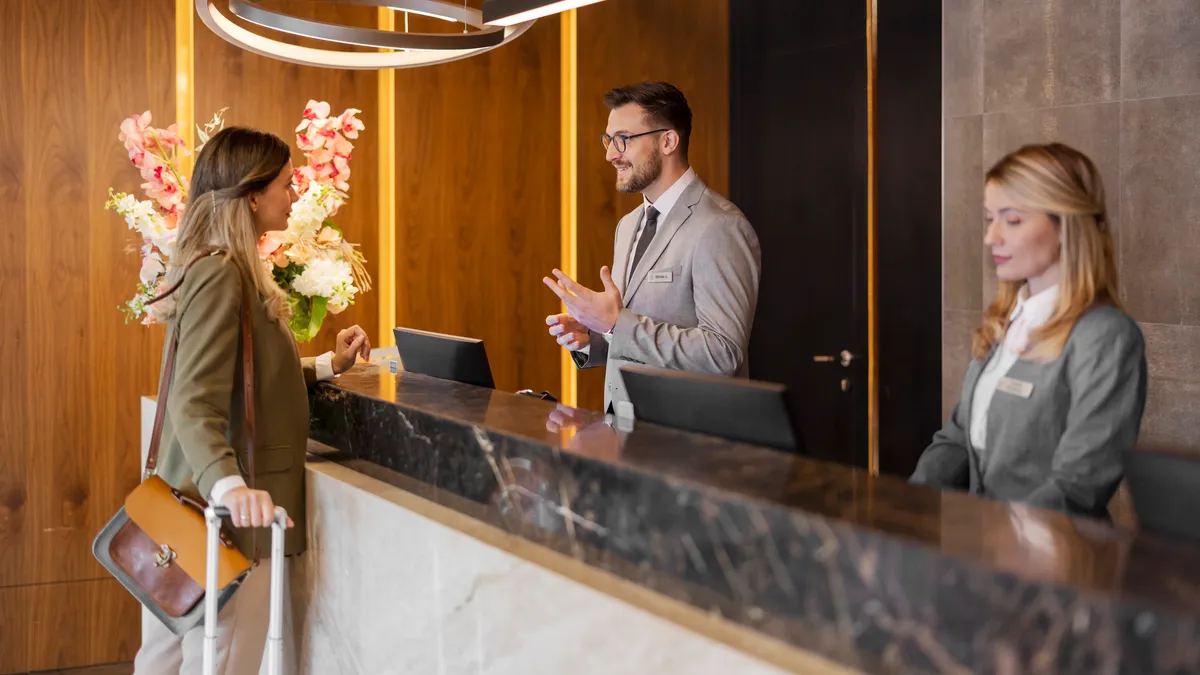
[{"x": 621, "y": 141}]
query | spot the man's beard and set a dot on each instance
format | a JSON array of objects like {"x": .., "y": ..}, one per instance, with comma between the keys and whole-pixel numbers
[{"x": 639, "y": 178}]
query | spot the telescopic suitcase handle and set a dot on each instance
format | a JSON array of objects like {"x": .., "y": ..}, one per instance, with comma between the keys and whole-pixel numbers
[{"x": 213, "y": 516}]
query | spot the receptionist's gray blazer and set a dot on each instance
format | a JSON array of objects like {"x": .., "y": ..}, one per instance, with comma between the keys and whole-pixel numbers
[{"x": 1060, "y": 447}]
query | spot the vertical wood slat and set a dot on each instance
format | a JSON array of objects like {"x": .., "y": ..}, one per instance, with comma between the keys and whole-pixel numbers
[
  {"x": 477, "y": 190},
  {"x": 15, "y": 511},
  {"x": 270, "y": 95},
  {"x": 73, "y": 371},
  {"x": 684, "y": 42},
  {"x": 57, "y": 409}
]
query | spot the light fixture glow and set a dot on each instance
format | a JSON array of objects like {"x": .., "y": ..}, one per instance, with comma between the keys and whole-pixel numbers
[
  {"x": 399, "y": 50},
  {"x": 512, "y": 12},
  {"x": 428, "y": 14}
]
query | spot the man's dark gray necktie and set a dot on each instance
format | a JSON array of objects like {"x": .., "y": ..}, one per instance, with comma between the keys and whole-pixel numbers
[{"x": 644, "y": 240}]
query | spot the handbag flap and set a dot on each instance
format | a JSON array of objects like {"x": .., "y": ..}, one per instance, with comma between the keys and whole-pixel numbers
[{"x": 169, "y": 522}]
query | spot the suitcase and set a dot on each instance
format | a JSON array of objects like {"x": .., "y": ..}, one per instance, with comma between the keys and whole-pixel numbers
[{"x": 274, "y": 647}]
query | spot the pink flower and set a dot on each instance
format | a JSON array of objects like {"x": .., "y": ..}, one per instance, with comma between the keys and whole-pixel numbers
[
  {"x": 349, "y": 125},
  {"x": 170, "y": 136},
  {"x": 308, "y": 141},
  {"x": 270, "y": 248},
  {"x": 163, "y": 189},
  {"x": 328, "y": 236},
  {"x": 341, "y": 146},
  {"x": 314, "y": 110},
  {"x": 302, "y": 177},
  {"x": 340, "y": 173},
  {"x": 133, "y": 136},
  {"x": 151, "y": 268},
  {"x": 151, "y": 168},
  {"x": 133, "y": 130}
]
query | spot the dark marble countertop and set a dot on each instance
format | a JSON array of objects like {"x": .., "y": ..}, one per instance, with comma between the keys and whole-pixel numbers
[{"x": 871, "y": 572}]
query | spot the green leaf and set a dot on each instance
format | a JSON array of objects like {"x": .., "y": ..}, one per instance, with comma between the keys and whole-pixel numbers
[
  {"x": 307, "y": 316},
  {"x": 284, "y": 276},
  {"x": 330, "y": 223}
]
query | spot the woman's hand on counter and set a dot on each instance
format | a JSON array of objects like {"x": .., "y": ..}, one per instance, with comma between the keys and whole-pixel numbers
[{"x": 351, "y": 343}]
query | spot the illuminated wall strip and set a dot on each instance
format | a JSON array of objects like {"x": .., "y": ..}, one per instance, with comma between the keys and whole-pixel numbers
[
  {"x": 569, "y": 183},
  {"x": 872, "y": 244},
  {"x": 185, "y": 77},
  {"x": 385, "y": 283}
]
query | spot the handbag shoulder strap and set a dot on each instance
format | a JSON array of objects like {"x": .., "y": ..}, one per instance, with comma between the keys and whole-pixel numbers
[{"x": 164, "y": 384}]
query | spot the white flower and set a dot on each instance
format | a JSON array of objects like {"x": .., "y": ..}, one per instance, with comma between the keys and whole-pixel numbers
[
  {"x": 307, "y": 215},
  {"x": 143, "y": 217},
  {"x": 325, "y": 278},
  {"x": 126, "y": 204},
  {"x": 343, "y": 296}
]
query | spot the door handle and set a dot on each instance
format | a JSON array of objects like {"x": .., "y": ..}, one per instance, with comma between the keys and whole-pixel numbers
[{"x": 845, "y": 358}]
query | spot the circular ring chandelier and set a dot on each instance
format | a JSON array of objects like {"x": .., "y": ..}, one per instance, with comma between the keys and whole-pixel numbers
[{"x": 403, "y": 50}]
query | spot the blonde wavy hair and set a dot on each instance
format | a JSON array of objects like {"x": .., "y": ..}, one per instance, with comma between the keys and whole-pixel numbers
[
  {"x": 1064, "y": 184},
  {"x": 235, "y": 163}
]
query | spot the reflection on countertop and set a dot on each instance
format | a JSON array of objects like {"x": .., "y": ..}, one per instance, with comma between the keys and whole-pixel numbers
[{"x": 873, "y": 572}]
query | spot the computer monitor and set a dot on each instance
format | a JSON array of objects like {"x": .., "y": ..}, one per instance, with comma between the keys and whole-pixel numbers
[
  {"x": 1163, "y": 488},
  {"x": 449, "y": 357},
  {"x": 736, "y": 409}
]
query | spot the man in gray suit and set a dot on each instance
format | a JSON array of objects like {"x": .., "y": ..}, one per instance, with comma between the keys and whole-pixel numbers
[{"x": 684, "y": 282}]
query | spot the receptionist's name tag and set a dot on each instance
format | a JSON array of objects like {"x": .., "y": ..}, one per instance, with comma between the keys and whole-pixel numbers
[
  {"x": 659, "y": 277},
  {"x": 1015, "y": 387}
]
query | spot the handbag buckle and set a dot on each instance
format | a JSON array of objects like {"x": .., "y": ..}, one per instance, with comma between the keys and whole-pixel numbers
[{"x": 164, "y": 557}]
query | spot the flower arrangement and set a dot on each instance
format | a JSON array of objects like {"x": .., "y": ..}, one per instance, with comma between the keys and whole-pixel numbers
[{"x": 321, "y": 272}]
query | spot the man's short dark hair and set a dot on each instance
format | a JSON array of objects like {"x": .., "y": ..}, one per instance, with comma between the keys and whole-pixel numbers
[{"x": 664, "y": 104}]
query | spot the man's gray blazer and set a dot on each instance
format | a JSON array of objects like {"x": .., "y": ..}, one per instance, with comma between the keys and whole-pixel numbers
[
  {"x": 690, "y": 303},
  {"x": 1058, "y": 444}
]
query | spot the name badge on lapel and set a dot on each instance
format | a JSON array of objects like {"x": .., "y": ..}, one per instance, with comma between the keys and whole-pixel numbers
[
  {"x": 660, "y": 277},
  {"x": 1015, "y": 387}
]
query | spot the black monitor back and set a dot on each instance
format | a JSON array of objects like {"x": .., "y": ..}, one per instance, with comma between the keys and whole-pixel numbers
[
  {"x": 449, "y": 357},
  {"x": 736, "y": 409}
]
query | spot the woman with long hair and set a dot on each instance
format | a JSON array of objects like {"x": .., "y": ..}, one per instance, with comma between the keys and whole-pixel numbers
[
  {"x": 241, "y": 189},
  {"x": 1057, "y": 385}
]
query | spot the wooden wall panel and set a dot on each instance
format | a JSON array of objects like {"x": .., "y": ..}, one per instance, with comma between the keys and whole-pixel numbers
[
  {"x": 684, "y": 42},
  {"x": 477, "y": 192},
  {"x": 117, "y": 88},
  {"x": 270, "y": 95},
  {"x": 73, "y": 370},
  {"x": 80, "y": 623},
  {"x": 57, "y": 409},
  {"x": 15, "y": 514}
]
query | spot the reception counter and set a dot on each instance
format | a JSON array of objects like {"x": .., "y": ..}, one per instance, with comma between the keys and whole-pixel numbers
[
  {"x": 454, "y": 529},
  {"x": 792, "y": 564}
]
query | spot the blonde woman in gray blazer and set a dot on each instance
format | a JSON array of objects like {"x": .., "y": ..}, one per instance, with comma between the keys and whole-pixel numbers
[{"x": 1057, "y": 386}]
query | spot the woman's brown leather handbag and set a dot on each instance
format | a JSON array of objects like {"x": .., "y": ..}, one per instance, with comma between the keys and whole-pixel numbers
[{"x": 155, "y": 544}]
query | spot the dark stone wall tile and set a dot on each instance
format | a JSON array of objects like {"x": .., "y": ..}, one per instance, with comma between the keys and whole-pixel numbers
[
  {"x": 957, "y": 328},
  {"x": 962, "y": 214},
  {"x": 1173, "y": 399},
  {"x": 1042, "y": 53},
  {"x": 1160, "y": 209},
  {"x": 1160, "y": 48},
  {"x": 962, "y": 57}
]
